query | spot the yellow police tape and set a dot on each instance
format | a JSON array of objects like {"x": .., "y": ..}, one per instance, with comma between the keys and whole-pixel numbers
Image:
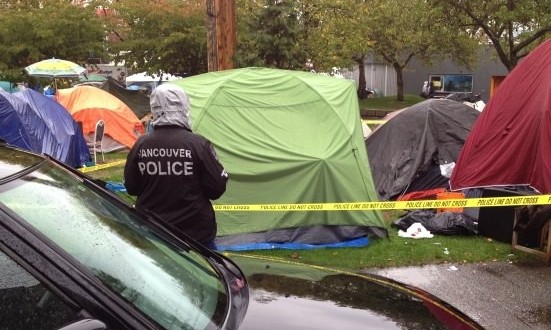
[
  {"x": 101, "y": 166},
  {"x": 392, "y": 205},
  {"x": 362, "y": 206},
  {"x": 374, "y": 121}
]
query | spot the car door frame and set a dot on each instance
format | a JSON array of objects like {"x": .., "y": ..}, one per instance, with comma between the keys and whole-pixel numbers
[{"x": 62, "y": 275}]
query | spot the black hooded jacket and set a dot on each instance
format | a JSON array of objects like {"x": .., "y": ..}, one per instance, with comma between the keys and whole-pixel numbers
[{"x": 175, "y": 173}]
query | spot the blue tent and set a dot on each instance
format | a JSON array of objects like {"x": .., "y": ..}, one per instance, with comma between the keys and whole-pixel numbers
[
  {"x": 12, "y": 129},
  {"x": 51, "y": 125}
]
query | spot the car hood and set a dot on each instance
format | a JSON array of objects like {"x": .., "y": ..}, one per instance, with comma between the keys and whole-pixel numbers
[{"x": 294, "y": 296}]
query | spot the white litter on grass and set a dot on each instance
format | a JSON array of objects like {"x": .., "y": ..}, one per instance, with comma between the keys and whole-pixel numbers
[
  {"x": 447, "y": 169},
  {"x": 416, "y": 230},
  {"x": 446, "y": 251}
]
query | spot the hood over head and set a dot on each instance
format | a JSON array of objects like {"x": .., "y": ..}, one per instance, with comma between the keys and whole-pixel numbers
[{"x": 170, "y": 106}]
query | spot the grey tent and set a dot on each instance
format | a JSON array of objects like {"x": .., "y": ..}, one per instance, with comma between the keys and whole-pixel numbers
[{"x": 407, "y": 152}]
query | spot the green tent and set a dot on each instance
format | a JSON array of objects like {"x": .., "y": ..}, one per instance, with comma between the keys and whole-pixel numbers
[{"x": 285, "y": 137}]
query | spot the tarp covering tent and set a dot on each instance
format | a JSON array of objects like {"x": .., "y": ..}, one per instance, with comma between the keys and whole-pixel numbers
[
  {"x": 50, "y": 127},
  {"x": 407, "y": 152},
  {"x": 135, "y": 99},
  {"x": 285, "y": 137},
  {"x": 93, "y": 79},
  {"x": 510, "y": 143},
  {"x": 146, "y": 83},
  {"x": 145, "y": 77},
  {"x": 88, "y": 104},
  {"x": 12, "y": 129}
]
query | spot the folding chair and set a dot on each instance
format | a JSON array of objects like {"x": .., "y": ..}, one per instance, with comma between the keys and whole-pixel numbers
[{"x": 98, "y": 139}]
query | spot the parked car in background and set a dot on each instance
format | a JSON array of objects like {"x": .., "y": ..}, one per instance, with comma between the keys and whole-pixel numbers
[{"x": 74, "y": 256}]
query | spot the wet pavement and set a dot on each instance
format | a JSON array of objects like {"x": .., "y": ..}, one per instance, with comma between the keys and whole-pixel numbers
[{"x": 498, "y": 295}]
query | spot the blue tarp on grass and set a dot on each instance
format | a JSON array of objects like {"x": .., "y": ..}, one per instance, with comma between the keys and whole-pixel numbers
[{"x": 358, "y": 242}]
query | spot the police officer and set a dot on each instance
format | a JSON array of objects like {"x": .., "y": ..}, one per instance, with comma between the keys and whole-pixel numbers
[{"x": 174, "y": 172}]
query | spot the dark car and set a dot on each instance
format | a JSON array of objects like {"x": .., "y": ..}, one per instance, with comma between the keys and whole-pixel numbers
[
  {"x": 290, "y": 295},
  {"x": 75, "y": 256}
]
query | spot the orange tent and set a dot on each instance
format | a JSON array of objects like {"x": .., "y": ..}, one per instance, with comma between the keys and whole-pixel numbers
[{"x": 88, "y": 104}]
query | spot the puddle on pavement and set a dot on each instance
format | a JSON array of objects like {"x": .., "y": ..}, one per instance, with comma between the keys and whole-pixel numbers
[
  {"x": 530, "y": 264},
  {"x": 540, "y": 315}
]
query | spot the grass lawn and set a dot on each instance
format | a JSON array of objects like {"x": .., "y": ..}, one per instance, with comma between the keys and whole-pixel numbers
[
  {"x": 389, "y": 103},
  {"x": 398, "y": 252}
]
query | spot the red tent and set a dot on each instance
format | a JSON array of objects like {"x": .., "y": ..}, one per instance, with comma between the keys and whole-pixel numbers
[{"x": 510, "y": 143}]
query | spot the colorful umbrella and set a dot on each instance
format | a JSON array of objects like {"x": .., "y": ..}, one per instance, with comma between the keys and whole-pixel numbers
[{"x": 55, "y": 68}]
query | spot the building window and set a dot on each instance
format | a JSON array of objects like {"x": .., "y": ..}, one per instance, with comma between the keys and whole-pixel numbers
[{"x": 452, "y": 83}]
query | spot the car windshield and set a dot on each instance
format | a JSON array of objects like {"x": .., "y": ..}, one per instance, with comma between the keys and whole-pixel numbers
[{"x": 174, "y": 287}]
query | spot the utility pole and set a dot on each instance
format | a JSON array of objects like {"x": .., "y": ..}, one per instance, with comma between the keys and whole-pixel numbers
[{"x": 221, "y": 34}]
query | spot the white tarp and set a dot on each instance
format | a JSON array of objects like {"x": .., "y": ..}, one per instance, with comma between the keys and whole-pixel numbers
[{"x": 144, "y": 77}]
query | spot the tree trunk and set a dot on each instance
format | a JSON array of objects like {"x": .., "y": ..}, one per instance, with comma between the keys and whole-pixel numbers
[
  {"x": 362, "y": 86},
  {"x": 399, "y": 81}
]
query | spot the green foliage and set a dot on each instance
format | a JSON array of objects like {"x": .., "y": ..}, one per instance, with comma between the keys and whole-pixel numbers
[
  {"x": 512, "y": 27},
  {"x": 397, "y": 38},
  {"x": 337, "y": 32},
  {"x": 171, "y": 35},
  {"x": 272, "y": 37},
  {"x": 344, "y": 33},
  {"x": 28, "y": 34},
  {"x": 167, "y": 36}
]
